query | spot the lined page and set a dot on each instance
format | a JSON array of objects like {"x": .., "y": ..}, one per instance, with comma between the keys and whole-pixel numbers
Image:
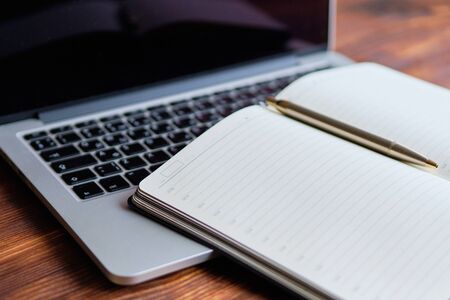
[
  {"x": 383, "y": 101},
  {"x": 347, "y": 219}
]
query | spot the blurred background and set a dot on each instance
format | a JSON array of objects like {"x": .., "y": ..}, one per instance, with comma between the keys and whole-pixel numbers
[{"x": 410, "y": 35}]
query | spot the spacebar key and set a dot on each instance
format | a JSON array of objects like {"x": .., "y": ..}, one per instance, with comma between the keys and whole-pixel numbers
[{"x": 73, "y": 163}]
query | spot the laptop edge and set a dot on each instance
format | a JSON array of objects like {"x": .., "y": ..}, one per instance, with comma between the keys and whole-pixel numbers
[{"x": 93, "y": 223}]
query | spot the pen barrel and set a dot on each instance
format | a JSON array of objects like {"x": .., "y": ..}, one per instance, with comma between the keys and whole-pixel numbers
[{"x": 350, "y": 133}]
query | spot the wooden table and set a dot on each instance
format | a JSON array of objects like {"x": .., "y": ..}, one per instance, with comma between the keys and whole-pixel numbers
[{"x": 38, "y": 259}]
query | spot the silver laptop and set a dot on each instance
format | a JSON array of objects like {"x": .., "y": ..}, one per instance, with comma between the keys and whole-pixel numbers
[{"x": 96, "y": 95}]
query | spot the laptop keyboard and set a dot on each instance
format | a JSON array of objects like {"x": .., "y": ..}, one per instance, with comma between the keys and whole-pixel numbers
[{"x": 116, "y": 152}]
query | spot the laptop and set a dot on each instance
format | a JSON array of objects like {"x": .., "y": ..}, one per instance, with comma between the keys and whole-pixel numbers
[{"x": 96, "y": 95}]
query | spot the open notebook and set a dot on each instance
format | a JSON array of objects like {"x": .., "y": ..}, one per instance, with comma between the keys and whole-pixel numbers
[{"x": 318, "y": 214}]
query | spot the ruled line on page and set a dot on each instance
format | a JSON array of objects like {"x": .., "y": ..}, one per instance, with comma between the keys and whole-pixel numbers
[
  {"x": 323, "y": 208},
  {"x": 384, "y": 102},
  {"x": 198, "y": 155}
]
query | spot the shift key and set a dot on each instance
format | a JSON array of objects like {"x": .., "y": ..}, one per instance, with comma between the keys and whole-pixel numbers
[
  {"x": 59, "y": 153},
  {"x": 73, "y": 163}
]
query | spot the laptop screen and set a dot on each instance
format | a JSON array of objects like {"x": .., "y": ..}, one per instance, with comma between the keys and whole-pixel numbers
[{"x": 53, "y": 52}]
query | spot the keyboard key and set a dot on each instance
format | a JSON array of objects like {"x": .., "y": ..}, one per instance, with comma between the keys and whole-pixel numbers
[
  {"x": 206, "y": 116},
  {"x": 160, "y": 115},
  {"x": 282, "y": 82},
  {"x": 140, "y": 133},
  {"x": 224, "y": 110},
  {"x": 156, "y": 142},
  {"x": 115, "y": 126},
  {"x": 161, "y": 127},
  {"x": 108, "y": 154},
  {"x": 133, "y": 148},
  {"x": 223, "y": 98},
  {"x": 153, "y": 168},
  {"x": 139, "y": 121},
  {"x": 34, "y": 135},
  {"x": 73, "y": 163},
  {"x": 156, "y": 156},
  {"x": 114, "y": 183},
  {"x": 134, "y": 112},
  {"x": 91, "y": 145},
  {"x": 277, "y": 84},
  {"x": 59, "y": 153},
  {"x": 91, "y": 132},
  {"x": 245, "y": 103},
  {"x": 211, "y": 124},
  {"x": 237, "y": 106},
  {"x": 203, "y": 103},
  {"x": 176, "y": 148},
  {"x": 87, "y": 190},
  {"x": 41, "y": 144},
  {"x": 85, "y": 123},
  {"x": 136, "y": 176},
  {"x": 244, "y": 93},
  {"x": 132, "y": 162},
  {"x": 107, "y": 169},
  {"x": 184, "y": 122},
  {"x": 198, "y": 130},
  {"x": 68, "y": 137},
  {"x": 110, "y": 118},
  {"x": 179, "y": 103},
  {"x": 181, "y": 110},
  {"x": 158, "y": 107},
  {"x": 60, "y": 129},
  {"x": 221, "y": 94},
  {"x": 78, "y": 176},
  {"x": 179, "y": 136},
  {"x": 265, "y": 89},
  {"x": 115, "y": 139}
]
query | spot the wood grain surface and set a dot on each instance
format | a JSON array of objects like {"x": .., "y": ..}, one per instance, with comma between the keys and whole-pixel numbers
[{"x": 38, "y": 259}]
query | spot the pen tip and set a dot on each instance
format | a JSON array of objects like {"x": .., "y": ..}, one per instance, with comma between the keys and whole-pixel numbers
[{"x": 432, "y": 163}]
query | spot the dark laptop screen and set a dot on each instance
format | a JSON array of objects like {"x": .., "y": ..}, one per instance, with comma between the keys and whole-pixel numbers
[{"x": 53, "y": 52}]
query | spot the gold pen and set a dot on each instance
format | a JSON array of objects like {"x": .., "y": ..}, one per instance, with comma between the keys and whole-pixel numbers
[{"x": 348, "y": 132}]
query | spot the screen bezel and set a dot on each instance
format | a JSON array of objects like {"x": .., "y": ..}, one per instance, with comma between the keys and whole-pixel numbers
[{"x": 327, "y": 46}]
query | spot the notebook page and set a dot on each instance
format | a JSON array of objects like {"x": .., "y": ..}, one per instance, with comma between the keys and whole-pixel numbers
[
  {"x": 350, "y": 220},
  {"x": 383, "y": 101}
]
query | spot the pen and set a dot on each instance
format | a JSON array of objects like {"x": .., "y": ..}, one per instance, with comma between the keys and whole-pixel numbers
[{"x": 348, "y": 132}]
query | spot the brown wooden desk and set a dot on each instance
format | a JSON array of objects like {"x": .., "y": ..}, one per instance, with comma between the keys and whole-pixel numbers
[{"x": 38, "y": 259}]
